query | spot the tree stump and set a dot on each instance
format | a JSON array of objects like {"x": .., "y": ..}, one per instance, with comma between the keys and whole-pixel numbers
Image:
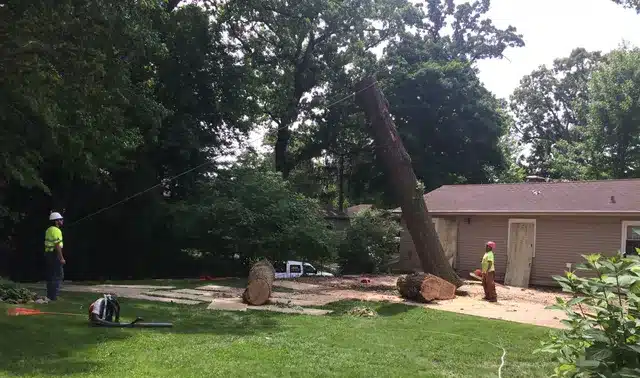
[
  {"x": 422, "y": 287},
  {"x": 261, "y": 278}
]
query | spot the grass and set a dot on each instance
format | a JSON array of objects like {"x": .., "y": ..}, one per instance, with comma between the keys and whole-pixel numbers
[
  {"x": 181, "y": 283},
  {"x": 402, "y": 341}
]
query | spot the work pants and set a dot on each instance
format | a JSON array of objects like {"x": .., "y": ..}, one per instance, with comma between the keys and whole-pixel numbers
[
  {"x": 489, "y": 285},
  {"x": 55, "y": 274}
]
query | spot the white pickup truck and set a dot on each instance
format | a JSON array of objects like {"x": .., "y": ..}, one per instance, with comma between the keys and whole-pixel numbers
[{"x": 293, "y": 269}]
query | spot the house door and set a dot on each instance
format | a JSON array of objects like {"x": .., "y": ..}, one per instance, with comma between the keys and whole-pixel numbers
[{"x": 520, "y": 252}]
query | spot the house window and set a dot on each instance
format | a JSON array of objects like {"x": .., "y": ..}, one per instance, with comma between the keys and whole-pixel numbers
[{"x": 630, "y": 237}]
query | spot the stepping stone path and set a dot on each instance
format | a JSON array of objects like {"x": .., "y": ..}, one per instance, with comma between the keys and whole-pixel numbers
[
  {"x": 236, "y": 304},
  {"x": 219, "y": 297},
  {"x": 296, "y": 285},
  {"x": 227, "y": 289},
  {"x": 178, "y": 295}
]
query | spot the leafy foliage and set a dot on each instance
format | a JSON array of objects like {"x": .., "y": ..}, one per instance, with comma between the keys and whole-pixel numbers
[
  {"x": 550, "y": 106},
  {"x": 294, "y": 48},
  {"x": 106, "y": 101},
  {"x": 10, "y": 292},
  {"x": 613, "y": 115},
  {"x": 369, "y": 242},
  {"x": 603, "y": 320},
  {"x": 580, "y": 116},
  {"x": 248, "y": 213}
]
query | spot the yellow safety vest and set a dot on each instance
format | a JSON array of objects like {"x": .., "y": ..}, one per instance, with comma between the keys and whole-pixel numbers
[
  {"x": 52, "y": 237},
  {"x": 486, "y": 259}
]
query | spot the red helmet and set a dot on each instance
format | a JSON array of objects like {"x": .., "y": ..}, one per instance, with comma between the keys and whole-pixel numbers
[{"x": 491, "y": 244}]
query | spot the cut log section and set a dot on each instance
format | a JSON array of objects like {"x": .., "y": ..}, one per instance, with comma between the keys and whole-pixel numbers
[
  {"x": 261, "y": 277},
  {"x": 422, "y": 287}
]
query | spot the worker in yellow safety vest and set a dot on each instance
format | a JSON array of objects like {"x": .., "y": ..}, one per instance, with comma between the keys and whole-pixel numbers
[
  {"x": 489, "y": 273},
  {"x": 53, "y": 256}
]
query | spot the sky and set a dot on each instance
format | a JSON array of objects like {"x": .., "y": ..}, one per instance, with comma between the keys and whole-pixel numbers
[{"x": 551, "y": 29}]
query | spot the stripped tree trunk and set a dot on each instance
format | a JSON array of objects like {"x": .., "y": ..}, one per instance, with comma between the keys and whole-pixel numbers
[
  {"x": 402, "y": 178},
  {"x": 259, "y": 285}
]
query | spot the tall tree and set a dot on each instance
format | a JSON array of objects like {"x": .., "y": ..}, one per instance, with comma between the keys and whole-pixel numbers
[
  {"x": 101, "y": 101},
  {"x": 68, "y": 94},
  {"x": 550, "y": 105},
  {"x": 614, "y": 114},
  {"x": 437, "y": 60},
  {"x": 294, "y": 47},
  {"x": 449, "y": 122}
]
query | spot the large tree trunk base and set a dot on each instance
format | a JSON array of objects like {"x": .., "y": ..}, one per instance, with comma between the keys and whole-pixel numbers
[
  {"x": 257, "y": 292},
  {"x": 423, "y": 287},
  {"x": 259, "y": 286}
]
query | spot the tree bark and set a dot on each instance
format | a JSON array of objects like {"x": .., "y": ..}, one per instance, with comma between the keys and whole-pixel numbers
[
  {"x": 341, "y": 183},
  {"x": 282, "y": 143},
  {"x": 261, "y": 277},
  {"x": 172, "y": 4},
  {"x": 402, "y": 178}
]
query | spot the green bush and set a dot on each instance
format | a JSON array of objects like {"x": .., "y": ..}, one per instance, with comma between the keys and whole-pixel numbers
[
  {"x": 10, "y": 292},
  {"x": 368, "y": 243},
  {"x": 603, "y": 335},
  {"x": 246, "y": 213}
]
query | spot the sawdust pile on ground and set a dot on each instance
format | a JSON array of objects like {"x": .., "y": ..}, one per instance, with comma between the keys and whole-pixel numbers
[{"x": 545, "y": 296}]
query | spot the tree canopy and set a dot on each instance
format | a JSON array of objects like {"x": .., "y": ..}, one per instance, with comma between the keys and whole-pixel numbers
[
  {"x": 120, "y": 115},
  {"x": 579, "y": 117}
]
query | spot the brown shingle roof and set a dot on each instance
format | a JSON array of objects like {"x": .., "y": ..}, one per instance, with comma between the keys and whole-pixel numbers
[
  {"x": 545, "y": 197},
  {"x": 353, "y": 210}
]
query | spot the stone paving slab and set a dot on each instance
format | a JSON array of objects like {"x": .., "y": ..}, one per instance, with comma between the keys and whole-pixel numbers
[
  {"x": 307, "y": 301},
  {"x": 195, "y": 292},
  {"x": 173, "y": 294},
  {"x": 142, "y": 287},
  {"x": 227, "y": 289},
  {"x": 236, "y": 304},
  {"x": 165, "y": 300},
  {"x": 227, "y": 304},
  {"x": 289, "y": 310},
  {"x": 295, "y": 285}
]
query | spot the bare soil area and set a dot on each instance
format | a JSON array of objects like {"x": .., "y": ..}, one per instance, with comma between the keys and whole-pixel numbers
[{"x": 514, "y": 304}]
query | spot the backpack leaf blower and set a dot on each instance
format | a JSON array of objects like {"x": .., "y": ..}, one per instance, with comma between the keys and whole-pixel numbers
[{"x": 105, "y": 312}]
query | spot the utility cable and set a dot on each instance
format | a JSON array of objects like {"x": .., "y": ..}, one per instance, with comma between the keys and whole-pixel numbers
[{"x": 127, "y": 199}]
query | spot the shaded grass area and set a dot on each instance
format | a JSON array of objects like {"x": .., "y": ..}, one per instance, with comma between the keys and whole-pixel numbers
[
  {"x": 402, "y": 341},
  {"x": 181, "y": 283}
]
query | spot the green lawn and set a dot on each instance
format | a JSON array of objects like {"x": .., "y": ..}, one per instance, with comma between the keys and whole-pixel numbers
[{"x": 398, "y": 343}]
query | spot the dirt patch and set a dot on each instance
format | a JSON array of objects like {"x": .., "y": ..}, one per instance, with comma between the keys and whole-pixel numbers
[{"x": 514, "y": 304}]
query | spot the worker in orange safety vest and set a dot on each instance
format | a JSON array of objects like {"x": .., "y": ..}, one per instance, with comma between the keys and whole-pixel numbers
[{"x": 489, "y": 273}]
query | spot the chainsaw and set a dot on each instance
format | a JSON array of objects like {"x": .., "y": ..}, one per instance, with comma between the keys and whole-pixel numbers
[{"x": 477, "y": 275}]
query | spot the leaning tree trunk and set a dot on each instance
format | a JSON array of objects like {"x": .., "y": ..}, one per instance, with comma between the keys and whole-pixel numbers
[
  {"x": 261, "y": 278},
  {"x": 422, "y": 287},
  {"x": 400, "y": 173}
]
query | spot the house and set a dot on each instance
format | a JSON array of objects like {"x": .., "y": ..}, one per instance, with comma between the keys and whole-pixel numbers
[
  {"x": 352, "y": 211},
  {"x": 340, "y": 220},
  {"x": 541, "y": 228}
]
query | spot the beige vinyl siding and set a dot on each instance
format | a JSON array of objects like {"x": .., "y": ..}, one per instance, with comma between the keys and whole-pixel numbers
[
  {"x": 559, "y": 240},
  {"x": 562, "y": 240},
  {"x": 409, "y": 261},
  {"x": 473, "y": 233}
]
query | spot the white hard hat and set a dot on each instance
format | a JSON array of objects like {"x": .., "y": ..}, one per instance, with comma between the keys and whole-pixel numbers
[{"x": 55, "y": 216}]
